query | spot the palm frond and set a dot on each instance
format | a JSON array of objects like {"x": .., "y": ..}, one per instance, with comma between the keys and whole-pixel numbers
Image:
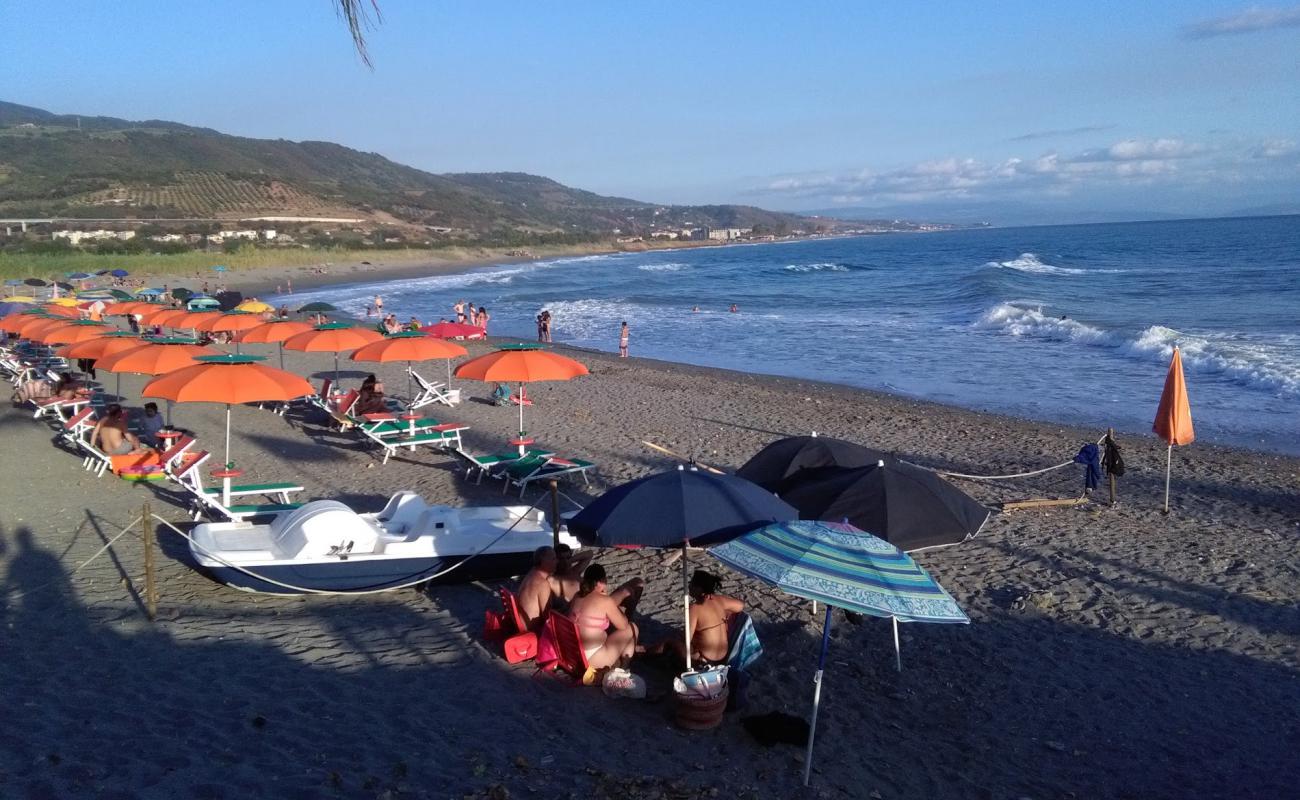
[{"x": 357, "y": 15}]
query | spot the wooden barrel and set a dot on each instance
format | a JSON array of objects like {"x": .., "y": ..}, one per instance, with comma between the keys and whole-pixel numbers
[{"x": 695, "y": 713}]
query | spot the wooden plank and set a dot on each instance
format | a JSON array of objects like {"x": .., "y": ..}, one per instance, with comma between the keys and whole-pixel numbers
[{"x": 1043, "y": 503}]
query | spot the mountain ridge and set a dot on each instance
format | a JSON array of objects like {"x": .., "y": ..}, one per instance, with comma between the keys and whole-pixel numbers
[{"x": 81, "y": 166}]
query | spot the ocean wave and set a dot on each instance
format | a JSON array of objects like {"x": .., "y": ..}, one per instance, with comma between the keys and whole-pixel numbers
[
  {"x": 672, "y": 266},
  {"x": 1259, "y": 365},
  {"x": 821, "y": 267},
  {"x": 1018, "y": 320},
  {"x": 1029, "y": 262}
]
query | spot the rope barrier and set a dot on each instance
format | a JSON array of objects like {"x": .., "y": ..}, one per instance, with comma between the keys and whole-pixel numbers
[
  {"x": 308, "y": 590},
  {"x": 997, "y": 477},
  {"x": 83, "y": 564}
]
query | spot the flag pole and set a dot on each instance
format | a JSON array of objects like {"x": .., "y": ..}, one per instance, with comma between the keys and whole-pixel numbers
[{"x": 1169, "y": 456}]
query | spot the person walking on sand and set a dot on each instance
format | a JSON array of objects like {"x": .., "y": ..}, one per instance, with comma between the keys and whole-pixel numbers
[
  {"x": 288, "y": 285},
  {"x": 622, "y": 341},
  {"x": 483, "y": 318},
  {"x": 459, "y": 308}
]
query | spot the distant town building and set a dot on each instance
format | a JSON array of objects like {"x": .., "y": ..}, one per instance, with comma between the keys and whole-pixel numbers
[
  {"x": 77, "y": 237},
  {"x": 727, "y": 234},
  {"x": 664, "y": 235}
]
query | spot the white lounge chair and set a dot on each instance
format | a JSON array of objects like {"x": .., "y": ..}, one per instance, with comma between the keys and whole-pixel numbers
[
  {"x": 188, "y": 474},
  {"x": 431, "y": 392}
]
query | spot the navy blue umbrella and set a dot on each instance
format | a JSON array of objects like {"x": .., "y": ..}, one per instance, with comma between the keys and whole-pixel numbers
[
  {"x": 118, "y": 273},
  {"x": 678, "y": 508}
]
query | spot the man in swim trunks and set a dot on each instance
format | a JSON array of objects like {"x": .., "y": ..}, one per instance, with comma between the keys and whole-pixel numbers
[
  {"x": 555, "y": 576},
  {"x": 110, "y": 434}
]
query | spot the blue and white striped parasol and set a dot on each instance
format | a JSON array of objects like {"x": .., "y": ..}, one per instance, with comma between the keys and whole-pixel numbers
[{"x": 842, "y": 566}]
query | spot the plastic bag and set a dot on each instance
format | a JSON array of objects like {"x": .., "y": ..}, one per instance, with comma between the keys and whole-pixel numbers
[{"x": 620, "y": 682}]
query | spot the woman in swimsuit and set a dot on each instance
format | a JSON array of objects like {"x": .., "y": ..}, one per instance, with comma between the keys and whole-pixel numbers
[
  {"x": 608, "y": 638},
  {"x": 710, "y": 612}
]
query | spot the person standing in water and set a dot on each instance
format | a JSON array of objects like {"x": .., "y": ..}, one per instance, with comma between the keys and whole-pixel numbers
[
  {"x": 622, "y": 341},
  {"x": 379, "y": 305}
]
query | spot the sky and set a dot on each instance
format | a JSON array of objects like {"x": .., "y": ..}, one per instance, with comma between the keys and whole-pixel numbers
[{"x": 1003, "y": 109}]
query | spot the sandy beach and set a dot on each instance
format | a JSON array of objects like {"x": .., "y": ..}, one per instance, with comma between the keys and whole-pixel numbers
[{"x": 1112, "y": 651}]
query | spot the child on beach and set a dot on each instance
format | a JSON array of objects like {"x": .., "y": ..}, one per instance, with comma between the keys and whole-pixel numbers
[
  {"x": 150, "y": 424},
  {"x": 622, "y": 341}
]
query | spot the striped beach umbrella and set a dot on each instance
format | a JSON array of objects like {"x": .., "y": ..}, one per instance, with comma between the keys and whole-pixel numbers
[{"x": 840, "y": 565}]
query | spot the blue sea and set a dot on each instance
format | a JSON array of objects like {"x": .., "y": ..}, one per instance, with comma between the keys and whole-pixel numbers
[{"x": 1072, "y": 324}]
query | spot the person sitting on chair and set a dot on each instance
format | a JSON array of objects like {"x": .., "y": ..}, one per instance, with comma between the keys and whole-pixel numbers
[
  {"x": 150, "y": 424},
  {"x": 501, "y": 395},
  {"x": 110, "y": 434},
  {"x": 555, "y": 579},
  {"x": 710, "y": 612},
  {"x": 370, "y": 399},
  {"x": 608, "y": 637},
  {"x": 68, "y": 387}
]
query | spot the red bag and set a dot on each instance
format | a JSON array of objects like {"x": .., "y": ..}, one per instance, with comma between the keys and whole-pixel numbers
[
  {"x": 494, "y": 626},
  {"x": 547, "y": 651},
  {"x": 522, "y": 647}
]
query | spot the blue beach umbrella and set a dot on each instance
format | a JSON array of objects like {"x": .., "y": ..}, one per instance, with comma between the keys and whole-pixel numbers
[
  {"x": 79, "y": 276},
  {"x": 675, "y": 509},
  {"x": 218, "y": 268},
  {"x": 840, "y": 565},
  {"x": 118, "y": 273},
  {"x": 149, "y": 292}
]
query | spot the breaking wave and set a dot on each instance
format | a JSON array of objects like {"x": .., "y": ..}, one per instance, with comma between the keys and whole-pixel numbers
[
  {"x": 672, "y": 266},
  {"x": 821, "y": 267}
]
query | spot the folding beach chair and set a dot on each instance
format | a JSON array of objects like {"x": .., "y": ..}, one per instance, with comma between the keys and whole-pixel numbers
[
  {"x": 485, "y": 464},
  {"x": 431, "y": 392},
  {"x": 341, "y": 413},
  {"x": 76, "y": 425},
  {"x": 521, "y": 644},
  {"x": 539, "y": 468},
  {"x": 60, "y": 408},
  {"x": 443, "y": 435},
  {"x": 563, "y": 634}
]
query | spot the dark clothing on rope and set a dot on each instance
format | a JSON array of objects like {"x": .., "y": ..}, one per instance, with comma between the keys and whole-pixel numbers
[
  {"x": 1113, "y": 461},
  {"x": 1089, "y": 456}
]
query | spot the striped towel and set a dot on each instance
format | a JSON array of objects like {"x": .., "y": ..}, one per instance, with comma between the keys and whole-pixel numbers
[{"x": 745, "y": 646}]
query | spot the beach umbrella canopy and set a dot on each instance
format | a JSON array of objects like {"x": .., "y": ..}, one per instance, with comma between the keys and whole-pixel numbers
[
  {"x": 1174, "y": 416},
  {"x": 76, "y": 332},
  {"x": 678, "y": 508},
  {"x": 34, "y": 330},
  {"x": 102, "y": 346},
  {"x": 35, "y": 282},
  {"x": 840, "y": 565},
  {"x": 275, "y": 331},
  {"x": 316, "y": 308},
  {"x": 14, "y": 282},
  {"x": 119, "y": 294},
  {"x": 148, "y": 292},
  {"x": 218, "y": 268},
  {"x": 410, "y": 347},
  {"x": 155, "y": 357},
  {"x": 192, "y": 319},
  {"x": 7, "y": 308},
  {"x": 183, "y": 294},
  {"x": 231, "y": 322},
  {"x": 78, "y": 276},
  {"x": 255, "y": 307},
  {"x": 907, "y": 506},
  {"x": 228, "y": 379},
  {"x": 15, "y": 324},
  {"x": 521, "y": 366},
  {"x": 453, "y": 330},
  {"x": 784, "y": 459},
  {"x": 20, "y": 298},
  {"x": 118, "y": 273},
  {"x": 60, "y": 310},
  {"x": 332, "y": 338},
  {"x": 67, "y": 287},
  {"x": 229, "y": 300},
  {"x": 67, "y": 302},
  {"x": 162, "y": 315}
]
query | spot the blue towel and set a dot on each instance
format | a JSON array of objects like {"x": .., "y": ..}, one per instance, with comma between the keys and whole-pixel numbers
[
  {"x": 1090, "y": 456},
  {"x": 745, "y": 646}
]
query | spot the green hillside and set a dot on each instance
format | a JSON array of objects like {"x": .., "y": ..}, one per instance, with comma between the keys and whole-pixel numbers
[{"x": 63, "y": 165}]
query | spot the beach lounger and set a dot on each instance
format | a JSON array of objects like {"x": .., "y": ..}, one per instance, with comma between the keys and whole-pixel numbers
[
  {"x": 524, "y": 471},
  {"x": 485, "y": 464},
  {"x": 431, "y": 392},
  {"x": 95, "y": 460},
  {"x": 445, "y": 435},
  {"x": 188, "y": 474},
  {"x": 77, "y": 425},
  {"x": 341, "y": 412},
  {"x": 59, "y": 408}
]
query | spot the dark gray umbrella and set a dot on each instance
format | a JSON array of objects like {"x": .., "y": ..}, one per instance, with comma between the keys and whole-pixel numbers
[{"x": 778, "y": 465}]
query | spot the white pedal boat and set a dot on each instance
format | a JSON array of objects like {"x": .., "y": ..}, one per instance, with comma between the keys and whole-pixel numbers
[{"x": 324, "y": 545}]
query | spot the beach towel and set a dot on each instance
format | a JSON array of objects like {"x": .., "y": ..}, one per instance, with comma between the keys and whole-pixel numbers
[
  {"x": 1090, "y": 457},
  {"x": 1113, "y": 460},
  {"x": 745, "y": 646}
]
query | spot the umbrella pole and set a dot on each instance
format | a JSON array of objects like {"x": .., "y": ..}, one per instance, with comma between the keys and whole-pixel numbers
[
  {"x": 281, "y": 345},
  {"x": 817, "y": 696},
  {"x": 227, "y": 437},
  {"x": 1169, "y": 457},
  {"x": 686, "y": 603},
  {"x": 449, "y": 374},
  {"x": 898, "y": 655},
  {"x": 408, "y": 382},
  {"x": 119, "y": 387},
  {"x": 336, "y": 368}
]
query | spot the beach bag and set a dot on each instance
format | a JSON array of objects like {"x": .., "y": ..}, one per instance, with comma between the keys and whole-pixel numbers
[
  {"x": 620, "y": 682},
  {"x": 521, "y": 647},
  {"x": 705, "y": 683},
  {"x": 494, "y": 625}
]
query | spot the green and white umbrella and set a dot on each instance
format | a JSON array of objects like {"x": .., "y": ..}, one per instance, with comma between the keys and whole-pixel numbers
[{"x": 842, "y": 566}]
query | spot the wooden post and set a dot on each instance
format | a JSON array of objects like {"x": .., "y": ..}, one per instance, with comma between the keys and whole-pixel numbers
[
  {"x": 1110, "y": 436},
  {"x": 555, "y": 513},
  {"x": 150, "y": 592}
]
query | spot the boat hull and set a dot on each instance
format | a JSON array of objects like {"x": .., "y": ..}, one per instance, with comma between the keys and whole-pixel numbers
[{"x": 360, "y": 574}]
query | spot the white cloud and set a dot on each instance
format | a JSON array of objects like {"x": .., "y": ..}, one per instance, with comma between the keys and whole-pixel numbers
[
  {"x": 1129, "y": 162},
  {"x": 1248, "y": 21}
]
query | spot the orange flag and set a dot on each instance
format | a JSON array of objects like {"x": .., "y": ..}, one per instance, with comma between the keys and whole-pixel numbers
[{"x": 1174, "y": 417}]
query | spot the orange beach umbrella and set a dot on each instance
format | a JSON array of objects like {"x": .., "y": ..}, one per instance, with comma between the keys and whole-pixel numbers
[
  {"x": 333, "y": 337},
  {"x": 15, "y": 323},
  {"x": 76, "y": 332},
  {"x": 63, "y": 311},
  {"x": 101, "y": 346},
  {"x": 228, "y": 379},
  {"x": 521, "y": 364},
  {"x": 154, "y": 357},
  {"x": 32, "y": 331},
  {"x": 410, "y": 347},
  {"x": 274, "y": 332},
  {"x": 1174, "y": 416}
]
